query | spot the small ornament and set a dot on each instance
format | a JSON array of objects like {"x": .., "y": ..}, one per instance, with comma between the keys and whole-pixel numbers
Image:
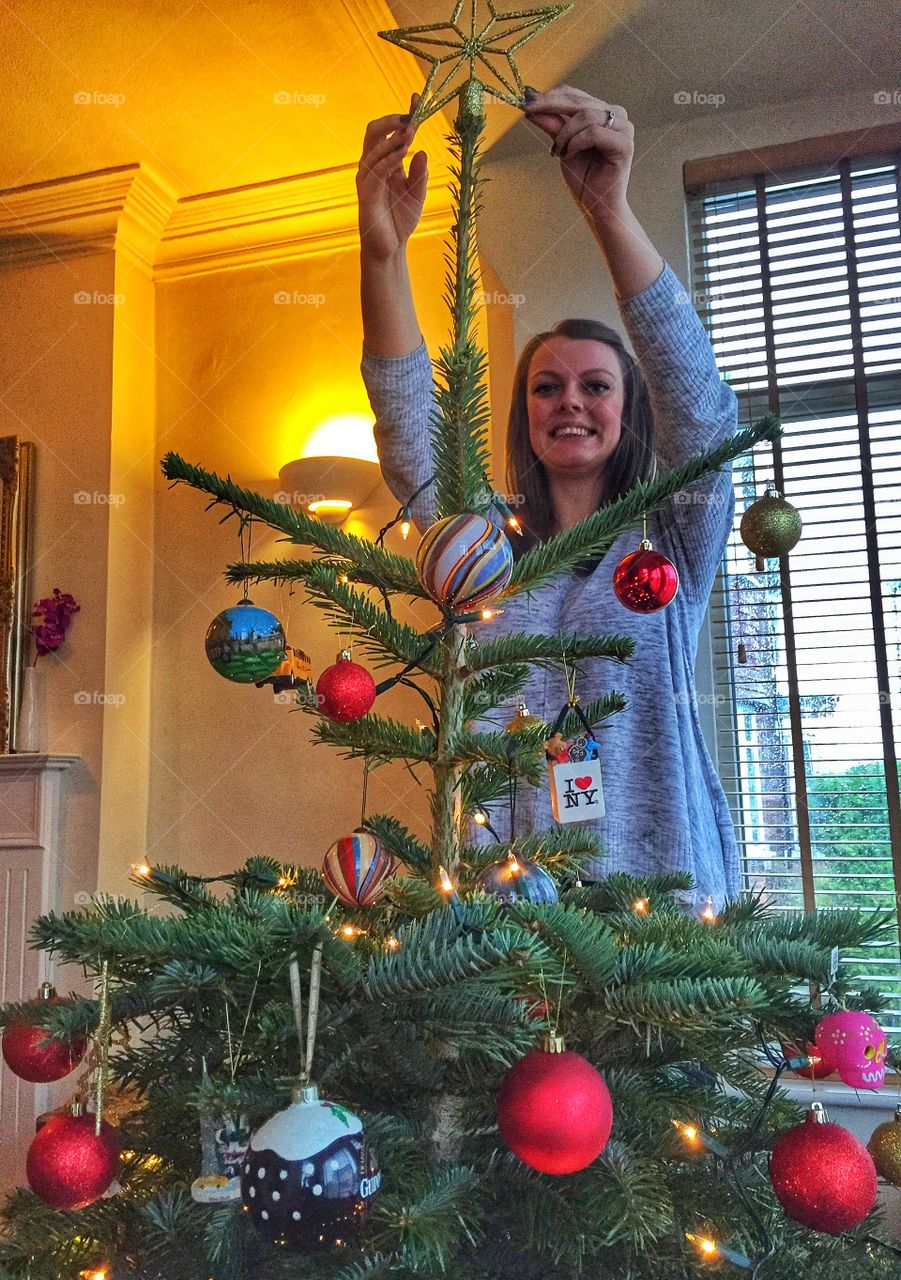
[
  {"x": 345, "y": 691},
  {"x": 523, "y": 721},
  {"x": 356, "y": 869},
  {"x": 771, "y": 526},
  {"x": 464, "y": 561},
  {"x": 817, "y": 1070},
  {"x": 554, "y": 1109},
  {"x": 516, "y": 878},
  {"x": 224, "y": 1140},
  {"x": 32, "y": 1057},
  {"x": 885, "y": 1148},
  {"x": 310, "y": 1174},
  {"x": 822, "y": 1175},
  {"x": 645, "y": 581},
  {"x": 292, "y": 674},
  {"x": 856, "y": 1045},
  {"x": 577, "y": 790},
  {"x": 69, "y": 1165},
  {"x": 245, "y": 644}
]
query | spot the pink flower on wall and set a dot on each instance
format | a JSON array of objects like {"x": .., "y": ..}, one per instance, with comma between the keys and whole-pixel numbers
[{"x": 52, "y": 617}]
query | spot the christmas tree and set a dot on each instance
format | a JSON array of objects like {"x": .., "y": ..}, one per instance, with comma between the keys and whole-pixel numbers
[{"x": 438, "y": 996}]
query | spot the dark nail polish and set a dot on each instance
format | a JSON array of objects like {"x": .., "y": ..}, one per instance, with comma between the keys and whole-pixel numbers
[
  {"x": 554, "y": 149},
  {"x": 530, "y": 95},
  {"x": 405, "y": 119}
]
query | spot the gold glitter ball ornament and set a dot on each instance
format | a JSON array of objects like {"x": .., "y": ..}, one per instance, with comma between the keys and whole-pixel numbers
[
  {"x": 523, "y": 720},
  {"x": 771, "y": 527},
  {"x": 885, "y": 1148}
]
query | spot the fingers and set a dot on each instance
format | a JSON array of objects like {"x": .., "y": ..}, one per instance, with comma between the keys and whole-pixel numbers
[{"x": 593, "y": 128}]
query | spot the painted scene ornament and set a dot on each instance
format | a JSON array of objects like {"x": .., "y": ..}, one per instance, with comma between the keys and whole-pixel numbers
[
  {"x": 518, "y": 878},
  {"x": 309, "y": 1175},
  {"x": 245, "y": 644}
]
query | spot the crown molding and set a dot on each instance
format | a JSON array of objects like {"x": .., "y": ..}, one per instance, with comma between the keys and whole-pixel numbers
[
  {"x": 276, "y": 221},
  {"x": 124, "y": 207}
]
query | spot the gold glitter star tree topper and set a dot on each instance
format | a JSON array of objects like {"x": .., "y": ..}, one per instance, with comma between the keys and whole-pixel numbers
[{"x": 474, "y": 61}]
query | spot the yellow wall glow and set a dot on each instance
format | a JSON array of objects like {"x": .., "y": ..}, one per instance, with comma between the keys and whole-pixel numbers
[{"x": 344, "y": 435}]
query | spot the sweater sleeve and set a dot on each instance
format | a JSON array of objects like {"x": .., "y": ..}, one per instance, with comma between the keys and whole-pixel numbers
[
  {"x": 401, "y": 393},
  {"x": 694, "y": 409}
]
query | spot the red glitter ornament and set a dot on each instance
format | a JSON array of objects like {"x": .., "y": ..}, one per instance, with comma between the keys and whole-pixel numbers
[
  {"x": 554, "y": 1110},
  {"x": 345, "y": 691},
  {"x": 646, "y": 580},
  {"x": 822, "y": 1176},
  {"x": 70, "y": 1166},
  {"x": 31, "y": 1056}
]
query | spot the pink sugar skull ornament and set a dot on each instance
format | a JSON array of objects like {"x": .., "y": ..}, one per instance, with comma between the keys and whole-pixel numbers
[{"x": 856, "y": 1044}]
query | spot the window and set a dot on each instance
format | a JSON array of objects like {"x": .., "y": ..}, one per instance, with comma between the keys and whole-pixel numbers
[{"x": 797, "y": 276}]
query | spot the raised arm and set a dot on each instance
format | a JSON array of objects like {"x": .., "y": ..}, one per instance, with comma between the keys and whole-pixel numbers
[
  {"x": 595, "y": 142},
  {"x": 390, "y": 204}
]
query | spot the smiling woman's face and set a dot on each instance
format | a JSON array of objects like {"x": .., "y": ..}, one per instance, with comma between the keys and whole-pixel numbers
[{"x": 574, "y": 394}]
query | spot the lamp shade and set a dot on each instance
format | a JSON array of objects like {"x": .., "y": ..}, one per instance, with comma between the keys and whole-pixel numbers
[{"x": 329, "y": 487}]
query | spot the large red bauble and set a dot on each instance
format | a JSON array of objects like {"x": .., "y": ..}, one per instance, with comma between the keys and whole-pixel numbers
[
  {"x": 645, "y": 581},
  {"x": 31, "y": 1056},
  {"x": 554, "y": 1111},
  {"x": 345, "y": 690},
  {"x": 68, "y": 1165},
  {"x": 822, "y": 1176}
]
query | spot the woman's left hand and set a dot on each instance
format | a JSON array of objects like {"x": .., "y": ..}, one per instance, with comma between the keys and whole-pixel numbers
[{"x": 595, "y": 142}]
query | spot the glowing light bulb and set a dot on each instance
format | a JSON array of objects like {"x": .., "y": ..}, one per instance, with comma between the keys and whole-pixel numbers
[
  {"x": 708, "y": 915},
  {"x": 445, "y": 884},
  {"x": 480, "y": 818},
  {"x": 392, "y": 943},
  {"x": 513, "y": 866},
  {"x": 514, "y": 525},
  {"x": 405, "y": 529},
  {"x": 688, "y": 1131},
  {"x": 141, "y": 870},
  {"x": 349, "y": 931},
  {"x": 344, "y": 579},
  {"x": 641, "y": 906}
]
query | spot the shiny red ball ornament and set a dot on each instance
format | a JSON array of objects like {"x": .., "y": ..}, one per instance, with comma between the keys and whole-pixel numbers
[
  {"x": 822, "y": 1176},
  {"x": 554, "y": 1110},
  {"x": 345, "y": 691},
  {"x": 69, "y": 1166},
  {"x": 646, "y": 580},
  {"x": 31, "y": 1056}
]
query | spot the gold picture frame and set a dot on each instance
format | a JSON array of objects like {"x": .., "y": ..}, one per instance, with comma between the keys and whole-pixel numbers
[{"x": 16, "y": 503}]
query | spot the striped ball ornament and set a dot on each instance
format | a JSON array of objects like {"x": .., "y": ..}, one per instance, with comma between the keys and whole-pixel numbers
[
  {"x": 464, "y": 561},
  {"x": 356, "y": 869}
]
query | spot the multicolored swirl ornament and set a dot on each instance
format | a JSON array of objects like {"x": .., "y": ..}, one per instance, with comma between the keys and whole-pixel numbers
[
  {"x": 356, "y": 869},
  {"x": 464, "y": 561},
  {"x": 645, "y": 581},
  {"x": 309, "y": 1175}
]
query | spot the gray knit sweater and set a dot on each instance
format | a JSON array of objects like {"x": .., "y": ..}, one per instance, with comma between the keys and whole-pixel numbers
[{"x": 665, "y": 806}]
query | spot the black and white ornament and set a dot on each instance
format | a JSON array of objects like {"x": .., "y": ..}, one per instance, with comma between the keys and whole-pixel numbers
[{"x": 309, "y": 1175}]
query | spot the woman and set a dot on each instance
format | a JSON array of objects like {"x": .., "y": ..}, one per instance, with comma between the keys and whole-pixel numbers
[{"x": 580, "y": 434}]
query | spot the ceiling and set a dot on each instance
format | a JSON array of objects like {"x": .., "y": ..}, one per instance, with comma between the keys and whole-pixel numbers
[{"x": 197, "y": 89}]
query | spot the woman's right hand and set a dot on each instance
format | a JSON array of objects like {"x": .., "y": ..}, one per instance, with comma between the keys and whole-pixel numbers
[{"x": 390, "y": 199}]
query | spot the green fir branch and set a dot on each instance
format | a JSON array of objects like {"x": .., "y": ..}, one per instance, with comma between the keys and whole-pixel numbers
[{"x": 547, "y": 651}]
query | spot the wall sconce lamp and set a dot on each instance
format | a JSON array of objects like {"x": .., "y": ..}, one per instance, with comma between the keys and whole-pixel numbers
[{"x": 329, "y": 487}]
